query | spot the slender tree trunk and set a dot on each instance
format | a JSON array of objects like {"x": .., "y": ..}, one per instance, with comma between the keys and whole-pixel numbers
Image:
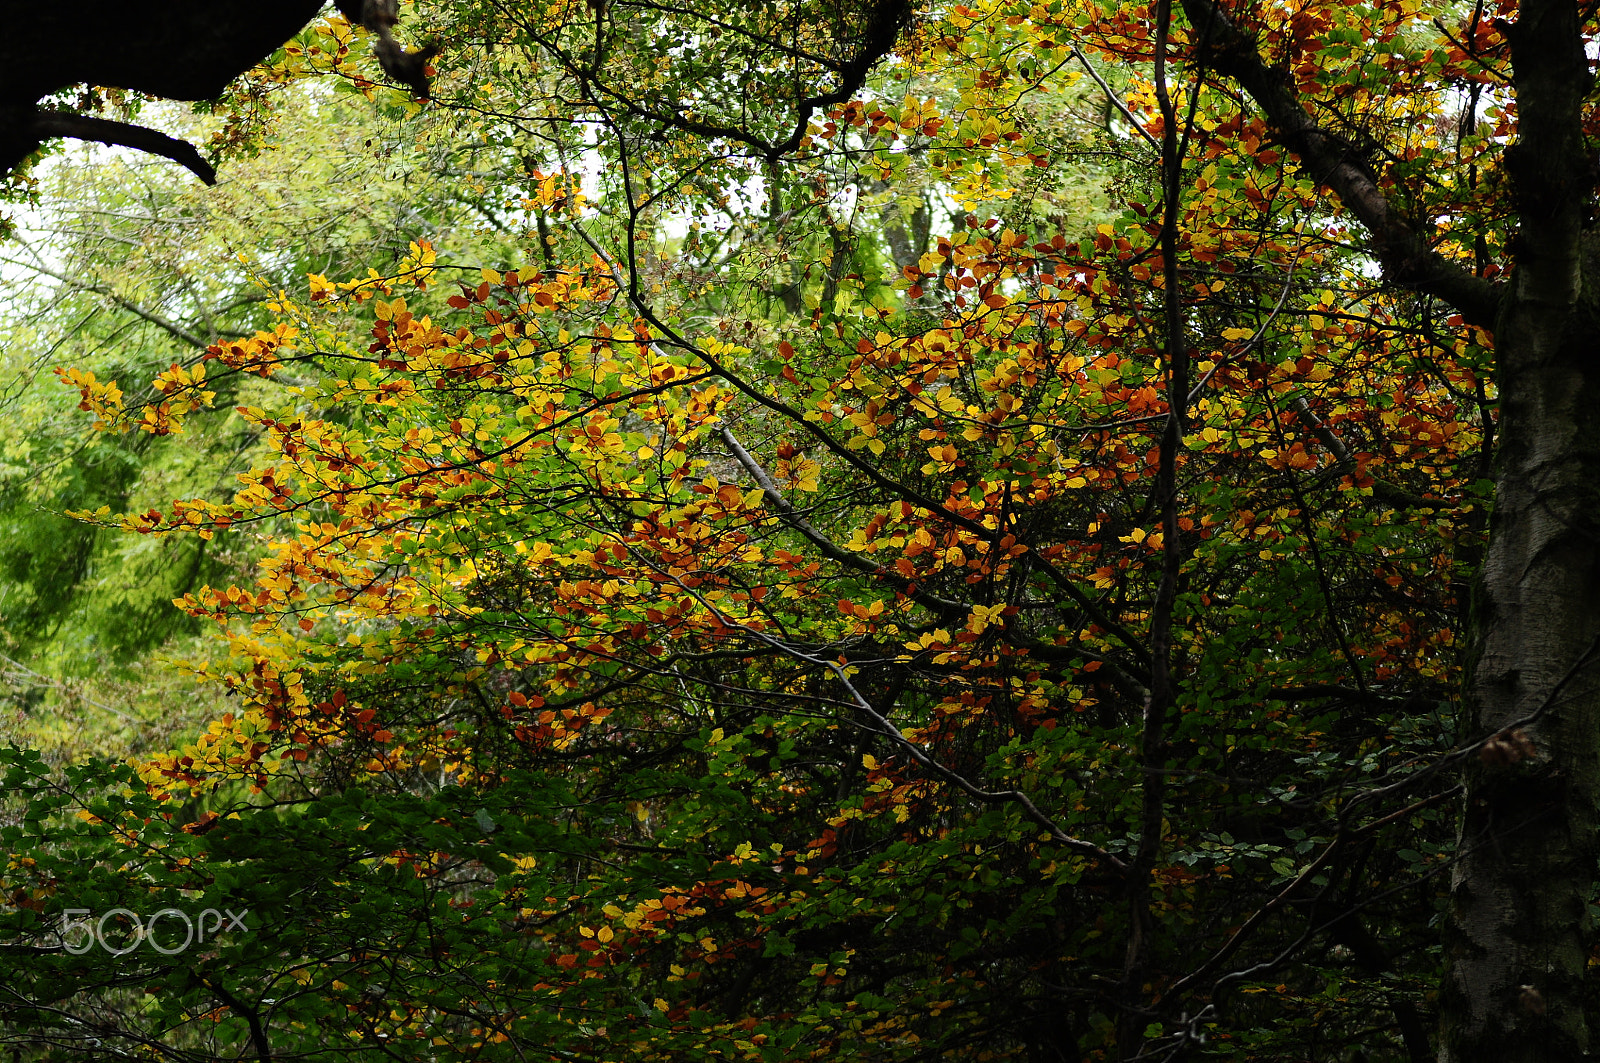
[
  {"x": 1516, "y": 990},
  {"x": 1158, "y": 708}
]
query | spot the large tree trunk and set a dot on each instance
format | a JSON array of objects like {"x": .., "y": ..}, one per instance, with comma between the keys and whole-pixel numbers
[
  {"x": 1527, "y": 860},
  {"x": 1517, "y": 988},
  {"x": 1529, "y": 857}
]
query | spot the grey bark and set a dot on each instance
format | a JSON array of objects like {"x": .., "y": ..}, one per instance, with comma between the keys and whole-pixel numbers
[
  {"x": 1516, "y": 989},
  {"x": 1528, "y": 860}
]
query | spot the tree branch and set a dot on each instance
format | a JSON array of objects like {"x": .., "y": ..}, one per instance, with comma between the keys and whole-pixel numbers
[
  {"x": 943, "y": 608},
  {"x": 1400, "y": 247},
  {"x": 918, "y": 755},
  {"x": 174, "y": 330},
  {"x": 1391, "y": 494},
  {"x": 82, "y": 127},
  {"x": 179, "y": 49}
]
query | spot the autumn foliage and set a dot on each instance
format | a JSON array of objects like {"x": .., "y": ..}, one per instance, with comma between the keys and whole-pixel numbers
[{"x": 663, "y": 651}]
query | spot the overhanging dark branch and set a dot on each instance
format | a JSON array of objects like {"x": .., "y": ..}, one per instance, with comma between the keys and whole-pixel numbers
[
  {"x": 1400, "y": 247},
  {"x": 102, "y": 130}
]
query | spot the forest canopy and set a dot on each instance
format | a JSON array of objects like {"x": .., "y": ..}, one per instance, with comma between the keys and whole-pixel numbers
[{"x": 811, "y": 530}]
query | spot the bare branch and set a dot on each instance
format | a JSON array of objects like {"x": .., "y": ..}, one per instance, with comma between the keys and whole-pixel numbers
[
  {"x": 82, "y": 127},
  {"x": 887, "y": 728},
  {"x": 174, "y": 330}
]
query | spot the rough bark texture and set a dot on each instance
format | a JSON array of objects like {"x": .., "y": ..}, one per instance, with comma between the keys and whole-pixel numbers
[
  {"x": 1528, "y": 865},
  {"x": 1529, "y": 857}
]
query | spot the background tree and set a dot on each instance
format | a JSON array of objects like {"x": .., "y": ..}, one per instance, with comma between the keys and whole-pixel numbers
[{"x": 123, "y": 269}]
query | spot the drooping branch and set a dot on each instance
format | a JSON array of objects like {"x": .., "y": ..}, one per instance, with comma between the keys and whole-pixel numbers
[
  {"x": 943, "y": 608},
  {"x": 913, "y": 750},
  {"x": 175, "y": 49},
  {"x": 171, "y": 328},
  {"x": 1388, "y": 493},
  {"x": 1400, "y": 246},
  {"x": 82, "y": 127}
]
